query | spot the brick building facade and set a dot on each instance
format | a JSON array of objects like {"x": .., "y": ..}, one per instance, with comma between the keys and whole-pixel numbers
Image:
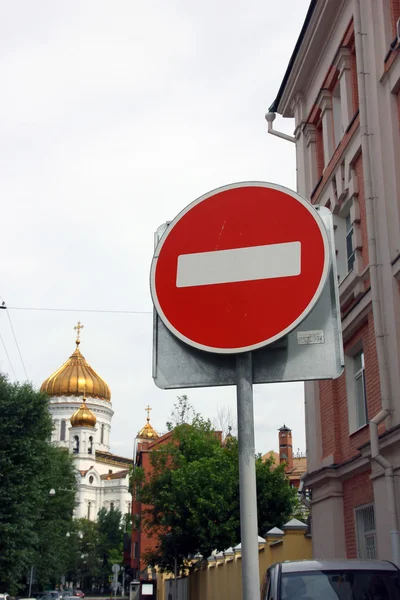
[{"x": 342, "y": 87}]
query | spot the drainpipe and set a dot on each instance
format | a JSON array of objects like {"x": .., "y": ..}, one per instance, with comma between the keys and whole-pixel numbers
[
  {"x": 389, "y": 476},
  {"x": 270, "y": 118},
  {"x": 375, "y": 297}
]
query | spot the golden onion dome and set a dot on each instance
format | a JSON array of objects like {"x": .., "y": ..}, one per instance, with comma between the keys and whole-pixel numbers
[
  {"x": 147, "y": 432},
  {"x": 83, "y": 417},
  {"x": 76, "y": 378}
]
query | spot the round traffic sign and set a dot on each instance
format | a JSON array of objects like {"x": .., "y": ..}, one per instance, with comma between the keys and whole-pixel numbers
[{"x": 240, "y": 267}]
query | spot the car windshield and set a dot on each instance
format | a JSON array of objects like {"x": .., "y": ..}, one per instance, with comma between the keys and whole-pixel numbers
[{"x": 341, "y": 585}]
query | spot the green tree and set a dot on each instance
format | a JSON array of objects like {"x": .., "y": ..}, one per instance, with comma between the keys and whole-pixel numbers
[
  {"x": 83, "y": 556},
  {"x": 276, "y": 500},
  {"x": 32, "y": 524},
  {"x": 111, "y": 527},
  {"x": 192, "y": 494},
  {"x": 26, "y": 462},
  {"x": 56, "y": 517}
]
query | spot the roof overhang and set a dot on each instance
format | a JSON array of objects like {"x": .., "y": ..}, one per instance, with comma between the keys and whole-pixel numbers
[{"x": 306, "y": 54}]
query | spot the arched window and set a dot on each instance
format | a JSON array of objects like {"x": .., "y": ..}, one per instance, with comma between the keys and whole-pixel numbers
[
  {"x": 76, "y": 445},
  {"x": 88, "y": 510},
  {"x": 102, "y": 434},
  {"x": 111, "y": 505},
  {"x": 62, "y": 431},
  {"x": 90, "y": 446}
]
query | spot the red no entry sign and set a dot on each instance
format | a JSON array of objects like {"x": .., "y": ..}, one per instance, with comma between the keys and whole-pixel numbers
[{"x": 240, "y": 267}]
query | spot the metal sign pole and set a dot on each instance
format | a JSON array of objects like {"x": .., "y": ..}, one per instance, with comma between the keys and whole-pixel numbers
[{"x": 247, "y": 477}]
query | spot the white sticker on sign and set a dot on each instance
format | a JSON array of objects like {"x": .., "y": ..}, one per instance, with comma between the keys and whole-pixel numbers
[{"x": 310, "y": 337}]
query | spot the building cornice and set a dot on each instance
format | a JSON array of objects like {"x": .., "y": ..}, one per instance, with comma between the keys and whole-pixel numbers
[
  {"x": 342, "y": 471},
  {"x": 355, "y": 465},
  {"x": 113, "y": 459},
  {"x": 311, "y": 43}
]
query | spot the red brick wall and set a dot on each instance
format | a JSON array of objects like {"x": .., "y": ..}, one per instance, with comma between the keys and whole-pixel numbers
[
  {"x": 329, "y": 406},
  {"x": 356, "y": 492},
  {"x": 285, "y": 439},
  {"x": 336, "y": 439},
  {"x": 358, "y": 167}
]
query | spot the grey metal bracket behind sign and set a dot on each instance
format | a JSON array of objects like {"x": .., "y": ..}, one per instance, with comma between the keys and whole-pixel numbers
[{"x": 314, "y": 350}]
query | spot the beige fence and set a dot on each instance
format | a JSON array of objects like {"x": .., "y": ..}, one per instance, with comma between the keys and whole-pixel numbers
[{"x": 220, "y": 577}]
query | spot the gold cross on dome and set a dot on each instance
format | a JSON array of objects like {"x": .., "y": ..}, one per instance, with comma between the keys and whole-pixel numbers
[
  {"x": 148, "y": 409},
  {"x": 78, "y": 328}
]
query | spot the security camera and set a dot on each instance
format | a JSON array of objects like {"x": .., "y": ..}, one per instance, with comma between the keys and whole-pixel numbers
[{"x": 270, "y": 117}]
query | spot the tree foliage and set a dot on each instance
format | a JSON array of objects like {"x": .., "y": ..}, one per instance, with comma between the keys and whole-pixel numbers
[
  {"x": 83, "y": 559},
  {"x": 56, "y": 520},
  {"x": 182, "y": 412},
  {"x": 94, "y": 546},
  {"x": 30, "y": 521},
  {"x": 276, "y": 500},
  {"x": 192, "y": 494}
]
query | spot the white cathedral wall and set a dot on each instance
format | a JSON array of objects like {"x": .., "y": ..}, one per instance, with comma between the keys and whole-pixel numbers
[
  {"x": 93, "y": 493},
  {"x": 98, "y": 493},
  {"x": 62, "y": 408}
]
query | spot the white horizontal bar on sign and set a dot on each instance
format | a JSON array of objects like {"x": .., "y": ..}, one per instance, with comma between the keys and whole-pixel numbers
[{"x": 239, "y": 264}]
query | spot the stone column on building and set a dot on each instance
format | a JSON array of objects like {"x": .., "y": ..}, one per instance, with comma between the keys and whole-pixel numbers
[
  {"x": 343, "y": 65},
  {"x": 313, "y": 425},
  {"x": 328, "y": 541},
  {"x": 310, "y": 134},
  {"x": 324, "y": 102}
]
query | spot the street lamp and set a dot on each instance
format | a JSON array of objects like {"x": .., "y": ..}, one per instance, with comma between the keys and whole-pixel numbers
[{"x": 53, "y": 492}]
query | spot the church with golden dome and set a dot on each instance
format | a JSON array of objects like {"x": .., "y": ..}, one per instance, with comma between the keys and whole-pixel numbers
[{"x": 81, "y": 409}]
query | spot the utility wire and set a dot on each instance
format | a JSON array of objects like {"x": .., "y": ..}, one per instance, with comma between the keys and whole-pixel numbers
[
  {"x": 8, "y": 356},
  {"x": 4, "y": 306},
  {"x": 16, "y": 343},
  {"x": 87, "y": 310},
  {"x": 80, "y": 310}
]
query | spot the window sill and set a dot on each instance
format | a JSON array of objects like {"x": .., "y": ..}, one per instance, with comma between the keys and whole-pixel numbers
[
  {"x": 358, "y": 430},
  {"x": 353, "y": 284}
]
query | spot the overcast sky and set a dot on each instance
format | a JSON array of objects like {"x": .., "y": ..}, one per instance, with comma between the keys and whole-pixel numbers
[{"x": 113, "y": 117}]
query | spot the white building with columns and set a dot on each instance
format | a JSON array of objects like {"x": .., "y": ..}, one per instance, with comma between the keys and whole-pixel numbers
[{"x": 80, "y": 405}]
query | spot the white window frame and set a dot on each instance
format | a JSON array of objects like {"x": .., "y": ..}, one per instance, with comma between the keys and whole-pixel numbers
[
  {"x": 352, "y": 376},
  {"x": 359, "y": 375},
  {"x": 343, "y": 229},
  {"x": 365, "y": 531}
]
